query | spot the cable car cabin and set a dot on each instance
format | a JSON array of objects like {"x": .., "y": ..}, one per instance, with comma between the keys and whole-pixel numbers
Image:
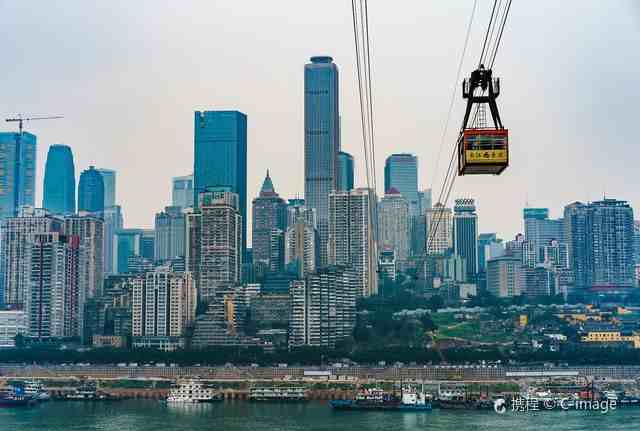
[{"x": 483, "y": 151}]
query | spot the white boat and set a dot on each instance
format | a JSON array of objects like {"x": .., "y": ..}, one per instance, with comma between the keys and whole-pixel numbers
[
  {"x": 35, "y": 390},
  {"x": 193, "y": 391},
  {"x": 289, "y": 393}
]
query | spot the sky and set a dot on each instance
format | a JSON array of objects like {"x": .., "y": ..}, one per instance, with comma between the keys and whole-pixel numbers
[{"x": 127, "y": 76}]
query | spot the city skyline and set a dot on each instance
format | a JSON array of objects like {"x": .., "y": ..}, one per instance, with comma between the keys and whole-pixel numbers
[{"x": 563, "y": 156}]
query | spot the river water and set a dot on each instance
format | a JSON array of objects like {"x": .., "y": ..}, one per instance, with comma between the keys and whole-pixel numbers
[{"x": 144, "y": 415}]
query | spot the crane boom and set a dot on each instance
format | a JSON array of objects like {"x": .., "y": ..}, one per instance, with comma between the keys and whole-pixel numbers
[{"x": 19, "y": 120}]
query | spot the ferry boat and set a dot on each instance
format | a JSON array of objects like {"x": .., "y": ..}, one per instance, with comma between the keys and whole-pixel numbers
[
  {"x": 288, "y": 393},
  {"x": 15, "y": 396},
  {"x": 377, "y": 399},
  {"x": 193, "y": 391},
  {"x": 88, "y": 391},
  {"x": 35, "y": 390}
]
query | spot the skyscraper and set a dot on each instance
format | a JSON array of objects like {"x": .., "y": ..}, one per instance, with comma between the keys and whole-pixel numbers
[
  {"x": 636, "y": 241},
  {"x": 91, "y": 191},
  {"x": 15, "y": 236},
  {"x": 541, "y": 230},
  {"x": 600, "y": 240},
  {"x": 395, "y": 224},
  {"x": 169, "y": 231},
  {"x": 438, "y": 220},
  {"x": 321, "y": 141},
  {"x": 351, "y": 236},
  {"x": 401, "y": 173},
  {"x": 504, "y": 277},
  {"x": 109, "y": 181},
  {"x": 113, "y": 222},
  {"x": 215, "y": 243},
  {"x": 301, "y": 247},
  {"x": 90, "y": 231},
  {"x": 17, "y": 172},
  {"x": 465, "y": 235},
  {"x": 269, "y": 213},
  {"x": 220, "y": 140},
  {"x": 127, "y": 243},
  {"x": 345, "y": 171},
  {"x": 59, "y": 195},
  {"x": 182, "y": 191}
]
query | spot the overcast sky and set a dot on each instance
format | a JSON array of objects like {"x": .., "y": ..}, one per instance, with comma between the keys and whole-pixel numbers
[{"x": 127, "y": 76}]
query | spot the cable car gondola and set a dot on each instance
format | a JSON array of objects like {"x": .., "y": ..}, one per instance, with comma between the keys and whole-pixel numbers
[{"x": 482, "y": 150}]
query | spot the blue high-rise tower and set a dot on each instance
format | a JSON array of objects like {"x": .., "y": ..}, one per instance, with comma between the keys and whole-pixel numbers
[
  {"x": 17, "y": 172},
  {"x": 59, "y": 181},
  {"x": 321, "y": 141},
  {"x": 91, "y": 191},
  {"x": 220, "y": 150},
  {"x": 345, "y": 171}
]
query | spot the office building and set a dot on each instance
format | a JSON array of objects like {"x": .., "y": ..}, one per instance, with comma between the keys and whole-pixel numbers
[
  {"x": 148, "y": 244},
  {"x": 109, "y": 182},
  {"x": 439, "y": 235},
  {"x": 352, "y": 238},
  {"x": 90, "y": 231},
  {"x": 113, "y": 222},
  {"x": 387, "y": 265},
  {"x": 556, "y": 255},
  {"x": 395, "y": 224},
  {"x": 301, "y": 243},
  {"x": 538, "y": 281},
  {"x": 59, "y": 194},
  {"x": 127, "y": 243},
  {"x": 220, "y": 140},
  {"x": 465, "y": 235},
  {"x": 323, "y": 308},
  {"x": 345, "y": 171},
  {"x": 182, "y": 191},
  {"x": 91, "y": 191},
  {"x": 17, "y": 172},
  {"x": 504, "y": 277},
  {"x": 636, "y": 241},
  {"x": 163, "y": 303},
  {"x": 15, "y": 236},
  {"x": 269, "y": 212},
  {"x": 401, "y": 173},
  {"x": 600, "y": 239},
  {"x": 170, "y": 234},
  {"x": 489, "y": 247},
  {"x": 321, "y": 141}
]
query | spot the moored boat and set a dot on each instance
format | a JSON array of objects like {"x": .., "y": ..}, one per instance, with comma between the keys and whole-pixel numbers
[
  {"x": 377, "y": 399},
  {"x": 193, "y": 391},
  {"x": 15, "y": 396},
  {"x": 285, "y": 394}
]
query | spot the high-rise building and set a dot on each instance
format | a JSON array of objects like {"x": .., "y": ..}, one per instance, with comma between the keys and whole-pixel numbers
[
  {"x": 90, "y": 231},
  {"x": 345, "y": 171},
  {"x": 489, "y": 247},
  {"x": 91, "y": 191},
  {"x": 215, "y": 240},
  {"x": 465, "y": 235},
  {"x": 59, "y": 195},
  {"x": 170, "y": 232},
  {"x": 109, "y": 182},
  {"x": 395, "y": 224},
  {"x": 352, "y": 237},
  {"x": 540, "y": 229},
  {"x": 55, "y": 302},
  {"x": 15, "y": 242},
  {"x": 439, "y": 238},
  {"x": 387, "y": 264},
  {"x": 321, "y": 141},
  {"x": 301, "y": 241},
  {"x": 182, "y": 191},
  {"x": 113, "y": 222},
  {"x": 148, "y": 244},
  {"x": 127, "y": 243},
  {"x": 636, "y": 241},
  {"x": 556, "y": 255},
  {"x": 401, "y": 173},
  {"x": 17, "y": 172},
  {"x": 600, "y": 240},
  {"x": 163, "y": 303},
  {"x": 323, "y": 307},
  {"x": 269, "y": 212},
  {"x": 504, "y": 277},
  {"x": 221, "y": 157},
  {"x": 12, "y": 323}
]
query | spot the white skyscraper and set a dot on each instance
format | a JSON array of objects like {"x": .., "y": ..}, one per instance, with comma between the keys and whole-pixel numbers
[
  {"x": 395, "y": 224},
  {"x": 439, "y": 221},
  {"x": 182, "y": 191},
  {"x": 352, "y": 237}
]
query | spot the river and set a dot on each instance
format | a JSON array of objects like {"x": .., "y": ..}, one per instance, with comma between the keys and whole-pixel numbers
[{"x": 145, "y": 415}]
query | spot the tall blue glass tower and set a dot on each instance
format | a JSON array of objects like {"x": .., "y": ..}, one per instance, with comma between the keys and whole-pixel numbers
[
  {"x": 345, "y": 171},
  {"x": 17, "y": 172},
  {"x": 91, "y": 191},
  {"x": 321, "y": 141},
  {"x": 59, "y": 181},
  {"x": 220, "y": 150}
]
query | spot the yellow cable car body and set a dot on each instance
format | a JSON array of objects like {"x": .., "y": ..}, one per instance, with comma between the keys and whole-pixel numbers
[{"x": 483, "y": 151}]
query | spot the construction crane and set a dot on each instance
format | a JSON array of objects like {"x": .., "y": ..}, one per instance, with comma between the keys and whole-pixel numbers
[
  {"x": 17, "y": 198},
  {"x": 19, "y": 120}
]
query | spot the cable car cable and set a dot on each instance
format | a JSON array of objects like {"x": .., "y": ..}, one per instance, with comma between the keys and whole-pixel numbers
[
  {"x": 486, "y": 36},
  {"x": 504, "y": 22}
]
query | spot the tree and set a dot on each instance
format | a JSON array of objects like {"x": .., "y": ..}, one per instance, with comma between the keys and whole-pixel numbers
[{"x": 435, "y": 303}]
